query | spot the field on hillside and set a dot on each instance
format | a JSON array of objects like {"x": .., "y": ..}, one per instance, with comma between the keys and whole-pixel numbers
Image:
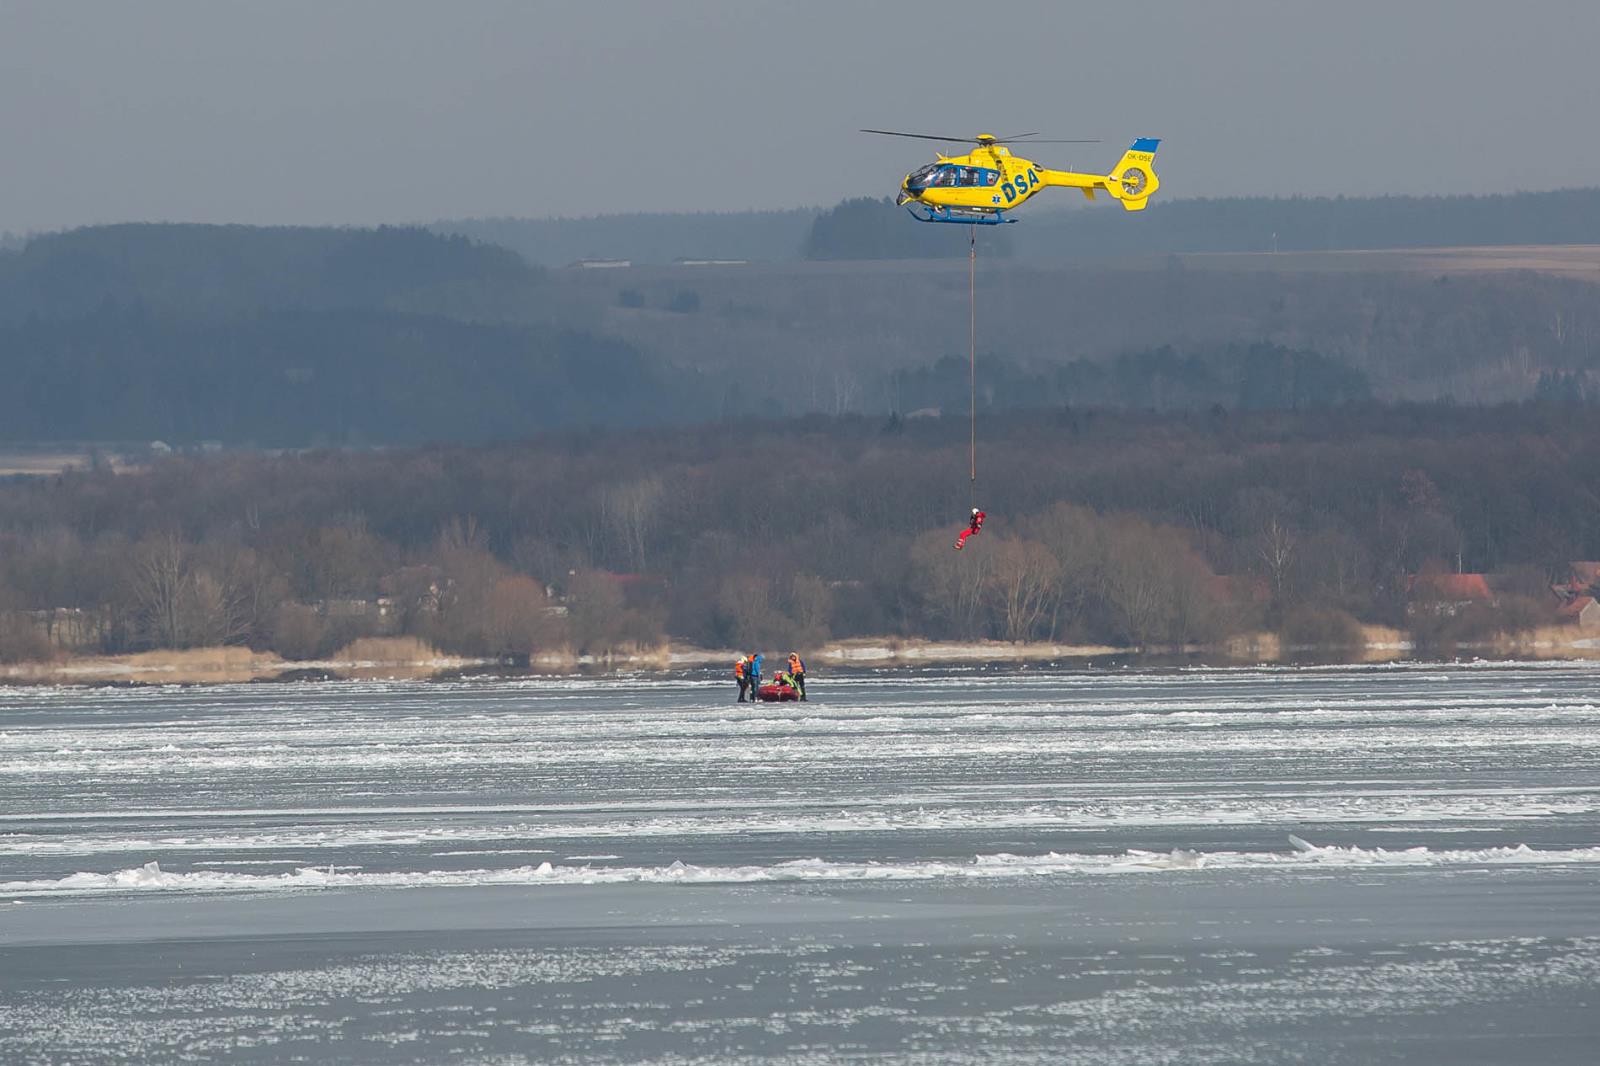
[
  {"x": 308, "y": 337},
  {"x": 831, "y": 333},
  {"x": 1580, "y": 261}
]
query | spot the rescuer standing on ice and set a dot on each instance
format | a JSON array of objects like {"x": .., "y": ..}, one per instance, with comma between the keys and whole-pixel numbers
[
  {"x": 797, "y": 673},
  {"x": 975, "y": 526}
]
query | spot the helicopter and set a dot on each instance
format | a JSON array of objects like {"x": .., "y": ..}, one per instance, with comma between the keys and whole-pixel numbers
[{"x": 980, "y": 187}]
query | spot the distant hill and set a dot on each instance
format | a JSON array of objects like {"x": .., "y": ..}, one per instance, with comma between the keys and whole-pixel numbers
[
  {"x": 1264, "y": 224},
  {"x": 1053, "y": 228},
  {"x": 870, "y": 228},
  {"x": 1256, "y": 377},
  {"x": 298, "y": 336},
  {"x": 196, "y": 269},
  {"x": 645, "y": 238},
  {"x": 291, "y": 378}
]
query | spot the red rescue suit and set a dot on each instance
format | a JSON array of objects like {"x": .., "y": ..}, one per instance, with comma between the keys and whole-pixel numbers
[{"x": 974, "y": 527}]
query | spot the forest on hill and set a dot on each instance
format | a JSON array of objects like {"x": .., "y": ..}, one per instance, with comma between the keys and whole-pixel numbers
[
  {"x": 1129, "y": 528},
  {"x": 1057, "y": 227},
  {"x": 285, "y": 337},
  {"x": 837, "y": 333},
  {"x": 199, "y": 270},
  {"x": 292, "y": 338},
  {"x": 293, "y": 378},
  {"x": 1305, "y": 223},
  {"x": 296, "y": 336},
  {"x": 644, "y": 237}
]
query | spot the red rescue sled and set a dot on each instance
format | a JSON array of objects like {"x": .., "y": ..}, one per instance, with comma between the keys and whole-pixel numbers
[{"x": 775, "y": 693}]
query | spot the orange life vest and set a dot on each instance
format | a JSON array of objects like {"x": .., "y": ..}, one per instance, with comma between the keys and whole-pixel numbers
[{"x": 738, "y": 668}]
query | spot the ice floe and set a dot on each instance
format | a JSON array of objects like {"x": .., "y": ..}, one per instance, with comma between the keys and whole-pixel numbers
[{"x": 1302, "y": 853}]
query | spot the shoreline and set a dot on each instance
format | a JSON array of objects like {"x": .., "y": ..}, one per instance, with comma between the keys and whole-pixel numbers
[{"x": 404, "y": 658}]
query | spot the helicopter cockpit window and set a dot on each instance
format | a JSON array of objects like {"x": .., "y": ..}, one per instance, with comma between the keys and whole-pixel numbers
[
  {"x": 951, "y": 176},
  {"x": 967, "y": 177}
]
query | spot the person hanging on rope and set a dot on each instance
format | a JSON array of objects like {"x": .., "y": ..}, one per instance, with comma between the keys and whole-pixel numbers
[{"x": 974, "y": 526}]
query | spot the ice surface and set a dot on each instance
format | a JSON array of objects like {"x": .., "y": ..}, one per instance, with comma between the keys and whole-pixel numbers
[{"x": 1264, "y": 865}]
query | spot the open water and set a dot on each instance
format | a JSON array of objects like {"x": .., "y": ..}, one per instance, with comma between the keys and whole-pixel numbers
[{"x": 1341, "y": 865}]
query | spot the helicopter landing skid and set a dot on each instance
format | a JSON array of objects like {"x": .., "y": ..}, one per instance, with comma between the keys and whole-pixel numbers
[{"x": 958, "y": 216}]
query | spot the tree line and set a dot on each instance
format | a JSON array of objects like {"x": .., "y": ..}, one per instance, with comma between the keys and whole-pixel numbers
[
  {"x": 644, "y": 237},
  {"x": 1250, "y": 377},
  {"x": 1318, "y": 223},
  {"x": 868, "y": 228},
  {"x": 204, "y": 270},
  {"x": 1122, "y": 527},
  {"x": 297, "y": 377},
  {"x": 872, "y": 227}
]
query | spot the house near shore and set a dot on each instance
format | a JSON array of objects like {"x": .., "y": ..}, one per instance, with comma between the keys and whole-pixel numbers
[
  {"x": 1581, "y": 611},
  {"x": 68, "y": 628},
  {"x": 351, "y": 608},
  {"x": 1583, "y": 579},
  {"x": 1447, "y": 594},
  {"x": 1576, "y": 597},
  {"x": 1585, "y": 573}
]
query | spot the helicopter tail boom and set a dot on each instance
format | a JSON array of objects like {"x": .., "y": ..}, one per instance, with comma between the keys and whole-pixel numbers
[{"x": 1133, "y": 180}]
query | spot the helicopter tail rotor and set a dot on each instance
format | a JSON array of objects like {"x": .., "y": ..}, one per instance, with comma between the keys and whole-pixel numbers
[{"x": 1133, "y": 180}]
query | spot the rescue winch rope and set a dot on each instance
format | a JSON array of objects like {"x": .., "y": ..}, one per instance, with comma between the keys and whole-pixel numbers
[{"x": 972, "y": 362}]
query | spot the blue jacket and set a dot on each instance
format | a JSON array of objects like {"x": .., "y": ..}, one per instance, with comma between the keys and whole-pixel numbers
[{"x": 755, "y": 667}]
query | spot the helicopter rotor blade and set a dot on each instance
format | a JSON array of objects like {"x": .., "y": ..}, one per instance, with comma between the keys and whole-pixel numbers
[
  {"x": 1016, "y": 138},
  {"x": 921, "y": 136}
]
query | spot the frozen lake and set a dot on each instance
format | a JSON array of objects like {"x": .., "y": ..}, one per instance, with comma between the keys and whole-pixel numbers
[{"x": 1340, "y": 865}]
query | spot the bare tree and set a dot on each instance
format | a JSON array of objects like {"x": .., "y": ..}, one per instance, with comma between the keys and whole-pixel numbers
[
  {"x": 630, "y": 511},
  {"x": 594, "y": 612},
  {"x": 238, "y": 596},
  {"x": 810, "y": 605},
  {"x": 1265, "y": 517},
  {"x": 20, "y": 639},
  {"x": 1136, "y": 584},
  {"x": 1023, "y": 582},
  {"x": 517, "y": 617},
  {"x": 953, "y": 583},
  {"x": 162, "y": 585},
  {"x": 212, "y": 614},
  {"x": 462, "y": 534},
  {"x": 1077, "y": 538},
  {"x": 1275, "y": 544},
  {"x": 342, "y": 561}
]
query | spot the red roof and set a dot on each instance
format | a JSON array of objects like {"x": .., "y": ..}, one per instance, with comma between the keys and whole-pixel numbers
[
  {"x": 1574, "y": 607},
  {"x": 1450, "y": 587}
]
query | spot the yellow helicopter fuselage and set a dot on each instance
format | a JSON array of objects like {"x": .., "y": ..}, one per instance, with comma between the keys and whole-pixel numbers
[{"x": 989, "y": 180}]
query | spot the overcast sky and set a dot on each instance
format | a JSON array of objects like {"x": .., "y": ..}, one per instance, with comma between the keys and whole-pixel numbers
[{"x": 284, "y": 111}]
